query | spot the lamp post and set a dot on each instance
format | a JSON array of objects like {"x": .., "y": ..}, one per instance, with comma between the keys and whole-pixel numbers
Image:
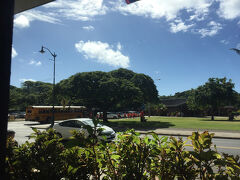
[{"x": 53, "y": 93}]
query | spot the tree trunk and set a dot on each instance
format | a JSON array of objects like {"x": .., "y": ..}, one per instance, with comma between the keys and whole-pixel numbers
[
  {"x": 212, "y": 113},
  {"x": 212, "y": 117},
  {"x": 231, "y": 117},
  {"x": 105, "y": 116}
]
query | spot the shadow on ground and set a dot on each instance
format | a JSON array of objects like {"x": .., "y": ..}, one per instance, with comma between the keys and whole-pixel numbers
[{"x": 119, "y": 125}]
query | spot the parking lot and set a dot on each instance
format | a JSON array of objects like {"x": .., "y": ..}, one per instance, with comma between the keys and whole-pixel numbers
[{"x": 23, "y": 129}]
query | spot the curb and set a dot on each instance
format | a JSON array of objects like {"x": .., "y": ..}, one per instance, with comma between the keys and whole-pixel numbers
[{"x": 40, "y": 127}]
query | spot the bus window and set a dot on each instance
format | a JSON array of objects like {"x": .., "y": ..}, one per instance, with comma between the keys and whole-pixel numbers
[{"x": 44, "y": 113}]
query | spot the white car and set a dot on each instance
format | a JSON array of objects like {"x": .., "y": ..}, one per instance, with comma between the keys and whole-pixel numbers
[
  {"x": 65, "y": 127},
  {"x": 111, "y": 115}
]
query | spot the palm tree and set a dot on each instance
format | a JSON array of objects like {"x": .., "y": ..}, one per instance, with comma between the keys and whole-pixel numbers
[{"x": 65, "y": 102}]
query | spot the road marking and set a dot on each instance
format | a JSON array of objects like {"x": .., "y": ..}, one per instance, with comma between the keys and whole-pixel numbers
[
  {"x": 220, "y": 147},
  {"x": 224, "y": 147}
]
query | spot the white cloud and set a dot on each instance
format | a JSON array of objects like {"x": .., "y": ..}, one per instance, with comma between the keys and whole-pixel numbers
[
  {"x": 179, "y": 25},
  {"x": 36, "y": 63},
  {"x": 88, "y": 28},
  {"x": 189, "y": 11},
  {"x": 119, "y": 46},
  {"x": 171, "y": 10},
  {"x": 198, "y": 16},
  {"x": 213, "y": 29},
  {"x": 83, "y": 10},
  {"x": 23, "y": 80},
  {"x": 103, "y": 53},
  {"x": 164, "y": 8},
  {"x": 23, "y": 20},
  {"x": 32, "y": 62},
  {"x": 224, "y": 41},
  {"x": 229, "y": 9},
  {"x": 14, "y": 53}
]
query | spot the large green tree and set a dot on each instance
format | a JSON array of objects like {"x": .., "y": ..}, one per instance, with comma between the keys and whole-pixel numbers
[
  {"x": 147, "y": 86},
  {"x": 122, "y": 73},
  {"x": 30, "y": 93},
  {"x": 119, "y": 89},
  {"x": 37, "y": 93},
  {"x": 100, "y": 90},
  {"x": 215, "y": 93},
  {"x": 142, "y": 81}
]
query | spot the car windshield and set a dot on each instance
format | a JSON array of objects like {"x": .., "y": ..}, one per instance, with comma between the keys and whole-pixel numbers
[{"x": 90, "y": 123}]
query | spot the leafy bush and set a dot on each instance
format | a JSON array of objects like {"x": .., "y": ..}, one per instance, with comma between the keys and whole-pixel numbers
[
  {"x": 128, "y": 157},
  {"x": 37, "y": 160}
]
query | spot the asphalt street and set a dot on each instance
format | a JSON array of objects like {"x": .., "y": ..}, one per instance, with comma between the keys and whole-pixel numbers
[
  {"x": 23, "y": 131},
  {"x": 230, "y": 146}
]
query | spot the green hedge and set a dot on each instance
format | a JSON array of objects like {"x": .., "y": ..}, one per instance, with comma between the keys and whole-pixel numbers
[{"x": 128, "y": 157}]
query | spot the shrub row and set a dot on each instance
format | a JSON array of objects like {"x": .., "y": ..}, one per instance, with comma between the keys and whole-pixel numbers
[{"x": 128, "y": 157}]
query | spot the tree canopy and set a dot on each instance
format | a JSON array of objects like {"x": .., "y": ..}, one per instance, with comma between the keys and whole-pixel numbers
[
  {"x": 120, "y": 89},
  {"x": 215, "y": 93},
  {"x": 30, "y": 93}
]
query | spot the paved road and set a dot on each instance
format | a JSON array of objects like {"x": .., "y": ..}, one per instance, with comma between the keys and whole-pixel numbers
[
  {"x": 23, "y": 130},
  {"x": 230, "y": 146}
]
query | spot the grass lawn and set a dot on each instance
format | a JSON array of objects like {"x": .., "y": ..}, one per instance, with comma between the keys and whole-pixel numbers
[{"x": 194, "y": 123}]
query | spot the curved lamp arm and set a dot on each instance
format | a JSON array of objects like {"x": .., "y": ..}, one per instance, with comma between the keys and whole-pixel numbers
[{"x": 42, "y": 51}]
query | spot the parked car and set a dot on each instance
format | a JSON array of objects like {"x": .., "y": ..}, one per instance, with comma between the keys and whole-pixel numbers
[
  {"x": 112, "y": 115},
  {"x": 17, "y": 114},
  {"x": 21, "y": 115},
  {"x": 65, "y": 127}
]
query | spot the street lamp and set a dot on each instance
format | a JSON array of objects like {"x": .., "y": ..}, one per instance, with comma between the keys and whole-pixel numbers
[{"x": 53, "y": 93}]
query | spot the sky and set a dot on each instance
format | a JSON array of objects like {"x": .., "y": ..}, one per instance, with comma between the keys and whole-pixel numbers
[{"x": 178, "y": 43}]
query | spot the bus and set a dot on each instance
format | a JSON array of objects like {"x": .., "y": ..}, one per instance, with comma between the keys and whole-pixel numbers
[{"x": 43, "y": 114}]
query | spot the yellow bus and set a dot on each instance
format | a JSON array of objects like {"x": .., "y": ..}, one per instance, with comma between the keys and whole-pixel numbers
[{"x": 43, "y": 114}]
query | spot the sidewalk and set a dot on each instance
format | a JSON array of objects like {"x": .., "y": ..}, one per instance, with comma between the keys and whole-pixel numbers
[
  {"x": 184, "y": 132},
  {"x": 41, "y": 126}
]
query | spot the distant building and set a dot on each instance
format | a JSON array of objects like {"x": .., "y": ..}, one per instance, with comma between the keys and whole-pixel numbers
[{"x": 176, "y": 107}]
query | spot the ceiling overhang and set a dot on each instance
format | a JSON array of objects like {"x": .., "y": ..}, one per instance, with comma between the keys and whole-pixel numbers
[{"x": 23, "y": 5}]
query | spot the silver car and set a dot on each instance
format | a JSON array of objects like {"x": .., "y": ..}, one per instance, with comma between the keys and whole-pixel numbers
[
  {"x": 65, "y": 127},
  {"x": 112, "y": 115}
]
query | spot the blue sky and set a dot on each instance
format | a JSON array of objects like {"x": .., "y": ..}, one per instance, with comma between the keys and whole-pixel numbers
[{"x": 182, "y": 42}]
